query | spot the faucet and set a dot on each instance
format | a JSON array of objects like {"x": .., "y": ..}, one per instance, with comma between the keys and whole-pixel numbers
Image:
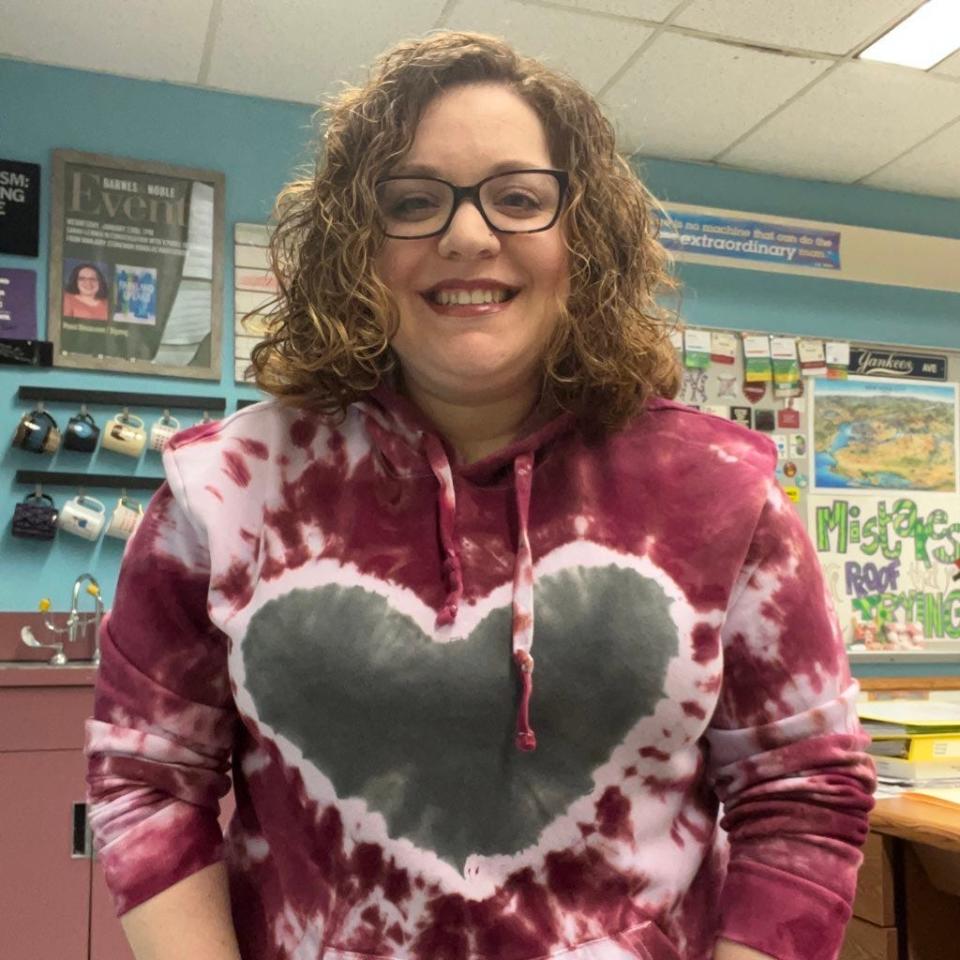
[{"x": 76, "y": 623}]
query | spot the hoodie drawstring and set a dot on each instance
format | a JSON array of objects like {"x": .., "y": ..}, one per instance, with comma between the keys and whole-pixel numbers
[
  {"x": 447, "y": 507},
  {"x": 522, "y": 620},
  {"x": 526, "y": 739}
]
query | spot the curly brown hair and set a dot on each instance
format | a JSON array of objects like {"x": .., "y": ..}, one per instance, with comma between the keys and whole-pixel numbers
[{"x": 331, "y": 324}]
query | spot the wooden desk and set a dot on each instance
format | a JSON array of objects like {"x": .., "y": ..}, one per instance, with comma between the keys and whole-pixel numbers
[
  {"x": 908, "y": 896},
  {"x": 919, "y": 820}
]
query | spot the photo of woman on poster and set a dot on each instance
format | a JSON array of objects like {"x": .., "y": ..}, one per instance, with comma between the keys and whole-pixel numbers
[{"x": 86, "y": 294}]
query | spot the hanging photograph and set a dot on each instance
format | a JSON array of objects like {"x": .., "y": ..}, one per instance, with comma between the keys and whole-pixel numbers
[{"x": 136, "y": 266}]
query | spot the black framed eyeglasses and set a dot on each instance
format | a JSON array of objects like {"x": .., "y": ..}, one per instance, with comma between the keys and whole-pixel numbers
[{"x": 518, "y": 201}]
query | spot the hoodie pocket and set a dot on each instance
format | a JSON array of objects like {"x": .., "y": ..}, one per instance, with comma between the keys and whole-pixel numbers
[
  {"x": 645, "y": 941},
  {"x": 648, "y": 942}
]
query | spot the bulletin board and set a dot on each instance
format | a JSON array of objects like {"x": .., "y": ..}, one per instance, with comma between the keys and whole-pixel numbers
[{"x": 867, "y": 446}]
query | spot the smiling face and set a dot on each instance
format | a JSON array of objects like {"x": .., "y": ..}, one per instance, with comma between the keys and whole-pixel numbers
[
  {"x": 482, "y": 352},
  {"x": 88, "y": 283}
]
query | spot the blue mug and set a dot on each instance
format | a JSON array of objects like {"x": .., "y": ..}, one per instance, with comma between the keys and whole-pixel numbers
[{"x": 37, "y": 432}]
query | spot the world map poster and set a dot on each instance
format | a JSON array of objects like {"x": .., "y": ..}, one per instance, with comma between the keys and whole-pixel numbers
[{"x": 874, "y": 437}]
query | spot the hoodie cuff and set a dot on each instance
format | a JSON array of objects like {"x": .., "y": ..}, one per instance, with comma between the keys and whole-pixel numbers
[
  {"x": 158, "y": 852},
  {"x": 781, "y": 914}
]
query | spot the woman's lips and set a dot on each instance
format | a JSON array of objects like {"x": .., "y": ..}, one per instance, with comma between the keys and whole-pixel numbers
[{"x": 467, "y": 309}]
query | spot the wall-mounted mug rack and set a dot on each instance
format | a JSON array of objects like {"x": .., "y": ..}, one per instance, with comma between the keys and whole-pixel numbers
[
  {"x": 123, "y": 398},
  {"x": 88, "y": 481}
]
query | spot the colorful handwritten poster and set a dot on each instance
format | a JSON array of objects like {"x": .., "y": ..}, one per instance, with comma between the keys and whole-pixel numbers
[{"x": 889, "y": 566}]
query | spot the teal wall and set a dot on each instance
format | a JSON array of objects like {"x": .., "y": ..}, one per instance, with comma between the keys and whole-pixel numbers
[
  {"x": 748, "y": 299},
  {"x": 257, "y": 143}
]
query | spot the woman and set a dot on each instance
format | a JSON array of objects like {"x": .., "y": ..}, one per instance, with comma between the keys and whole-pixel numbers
[
  {"x": 85, "y": 295},
  {"x": 475, "y": 470}
]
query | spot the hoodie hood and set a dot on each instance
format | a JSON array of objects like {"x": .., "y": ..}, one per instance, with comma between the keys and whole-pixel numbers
[{"x": 411, "y": 447}]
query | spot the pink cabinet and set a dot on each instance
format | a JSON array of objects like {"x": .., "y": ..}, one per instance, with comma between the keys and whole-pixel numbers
[
  {"x": 44, "y": 892},
  {"x": 53, "y": 898}
]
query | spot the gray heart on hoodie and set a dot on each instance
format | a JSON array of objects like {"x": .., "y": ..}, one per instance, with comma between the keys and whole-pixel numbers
[{"x": 424, "y": 731}]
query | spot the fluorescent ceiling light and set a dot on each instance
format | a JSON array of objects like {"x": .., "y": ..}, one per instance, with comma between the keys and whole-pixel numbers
[{"x": 923, "y": 39}]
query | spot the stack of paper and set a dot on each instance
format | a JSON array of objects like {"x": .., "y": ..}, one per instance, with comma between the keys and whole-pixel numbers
[
  {"x": 915, "y": 742},
  {"x": 950, "y": 796}
]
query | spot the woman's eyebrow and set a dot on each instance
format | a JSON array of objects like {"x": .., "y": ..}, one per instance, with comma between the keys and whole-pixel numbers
[{"x": 426, "y": 170}]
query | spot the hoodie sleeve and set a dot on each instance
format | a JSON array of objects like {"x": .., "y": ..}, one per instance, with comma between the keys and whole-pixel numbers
[
  {"x": 159, "y": 742},
  {"x": 787, "y": 751}
]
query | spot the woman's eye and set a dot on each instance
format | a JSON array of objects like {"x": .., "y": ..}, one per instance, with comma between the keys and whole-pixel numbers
[
  {"x": 413, "y": 205},
  {"x": 519, "y": 201}
]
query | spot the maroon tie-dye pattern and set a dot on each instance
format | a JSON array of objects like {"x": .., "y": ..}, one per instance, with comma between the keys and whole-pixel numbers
[{"x": 758, "y": 712}]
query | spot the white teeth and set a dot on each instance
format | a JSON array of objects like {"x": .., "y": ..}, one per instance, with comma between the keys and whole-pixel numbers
[{"x": 465, "y": 297}]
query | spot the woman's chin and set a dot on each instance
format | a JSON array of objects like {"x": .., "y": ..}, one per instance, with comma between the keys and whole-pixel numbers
[{"x": 476, "y": 384}]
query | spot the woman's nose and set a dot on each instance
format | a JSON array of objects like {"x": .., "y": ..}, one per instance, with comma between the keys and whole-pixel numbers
[{"x": 468, "y": 235}]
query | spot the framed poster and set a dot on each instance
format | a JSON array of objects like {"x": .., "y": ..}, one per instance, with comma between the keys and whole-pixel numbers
[
  {"x": 875, "y": 436},
  {"x": 136, "y": 266}
]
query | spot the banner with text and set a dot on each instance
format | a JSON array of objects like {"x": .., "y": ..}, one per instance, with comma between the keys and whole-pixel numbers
[
  {"x": 739, "y": 238},
  {"x": 743, "y": 240}
]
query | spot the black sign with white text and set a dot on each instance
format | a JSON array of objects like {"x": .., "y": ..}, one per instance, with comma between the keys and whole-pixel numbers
[
  {"x": 879, "y": 362},
  {"x": 19, "y": 208}
]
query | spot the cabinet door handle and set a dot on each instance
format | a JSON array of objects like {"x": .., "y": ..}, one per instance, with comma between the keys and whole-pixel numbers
[{"x": 82, "y": 839}]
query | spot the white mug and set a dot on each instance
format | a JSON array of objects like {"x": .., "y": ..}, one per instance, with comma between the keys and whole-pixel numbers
[
  {"x": 124, "y": 434},
  {"x": 162, "y": 430},
  {"x": 83, "y": 517},
  {"x": 125, "y": 519}
]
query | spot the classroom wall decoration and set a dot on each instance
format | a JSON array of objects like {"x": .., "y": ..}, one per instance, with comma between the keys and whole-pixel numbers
[
  {"x": 867, "y": 439},
  {"x": 136, "y": 266},
  {"x": 254, "y": 289},
  {"x": 19, "y": 208},
  {"x": 18, "y": 304},
  {"x": 833, "y": 251}
]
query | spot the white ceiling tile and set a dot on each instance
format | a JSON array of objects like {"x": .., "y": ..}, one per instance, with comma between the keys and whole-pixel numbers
[
  {"x": 587, "y": 47},
  {"x": 855, "y": 119},
  {"x": 133, "y": 38},
  {"x": 301, "y": 50},
  {"x": 828, "y": 26},
  {"x": 949, "y": 67},
  {"x": 655, "y": 10},
  {"x": 665, "y": 108},
  {"x": 930, "y": 168}
]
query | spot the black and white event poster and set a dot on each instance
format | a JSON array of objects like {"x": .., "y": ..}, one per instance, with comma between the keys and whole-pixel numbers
[
  {"x": 19, "y": 208},
  {"x": 136, "y": 266}
]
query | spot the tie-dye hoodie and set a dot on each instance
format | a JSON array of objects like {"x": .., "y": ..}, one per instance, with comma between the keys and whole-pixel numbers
[{"x": 486, "y": 711}]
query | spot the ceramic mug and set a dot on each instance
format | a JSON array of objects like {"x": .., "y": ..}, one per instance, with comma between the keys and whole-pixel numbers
[
  {"x": 37, "y": 432},
  {"x": 162, "y": 430},
  {"x": 125, "y": 519},
  {"x": 83, "y": 517},
  {"x": 125, "y": 434},
  {"x": 81, "y": 433}
]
